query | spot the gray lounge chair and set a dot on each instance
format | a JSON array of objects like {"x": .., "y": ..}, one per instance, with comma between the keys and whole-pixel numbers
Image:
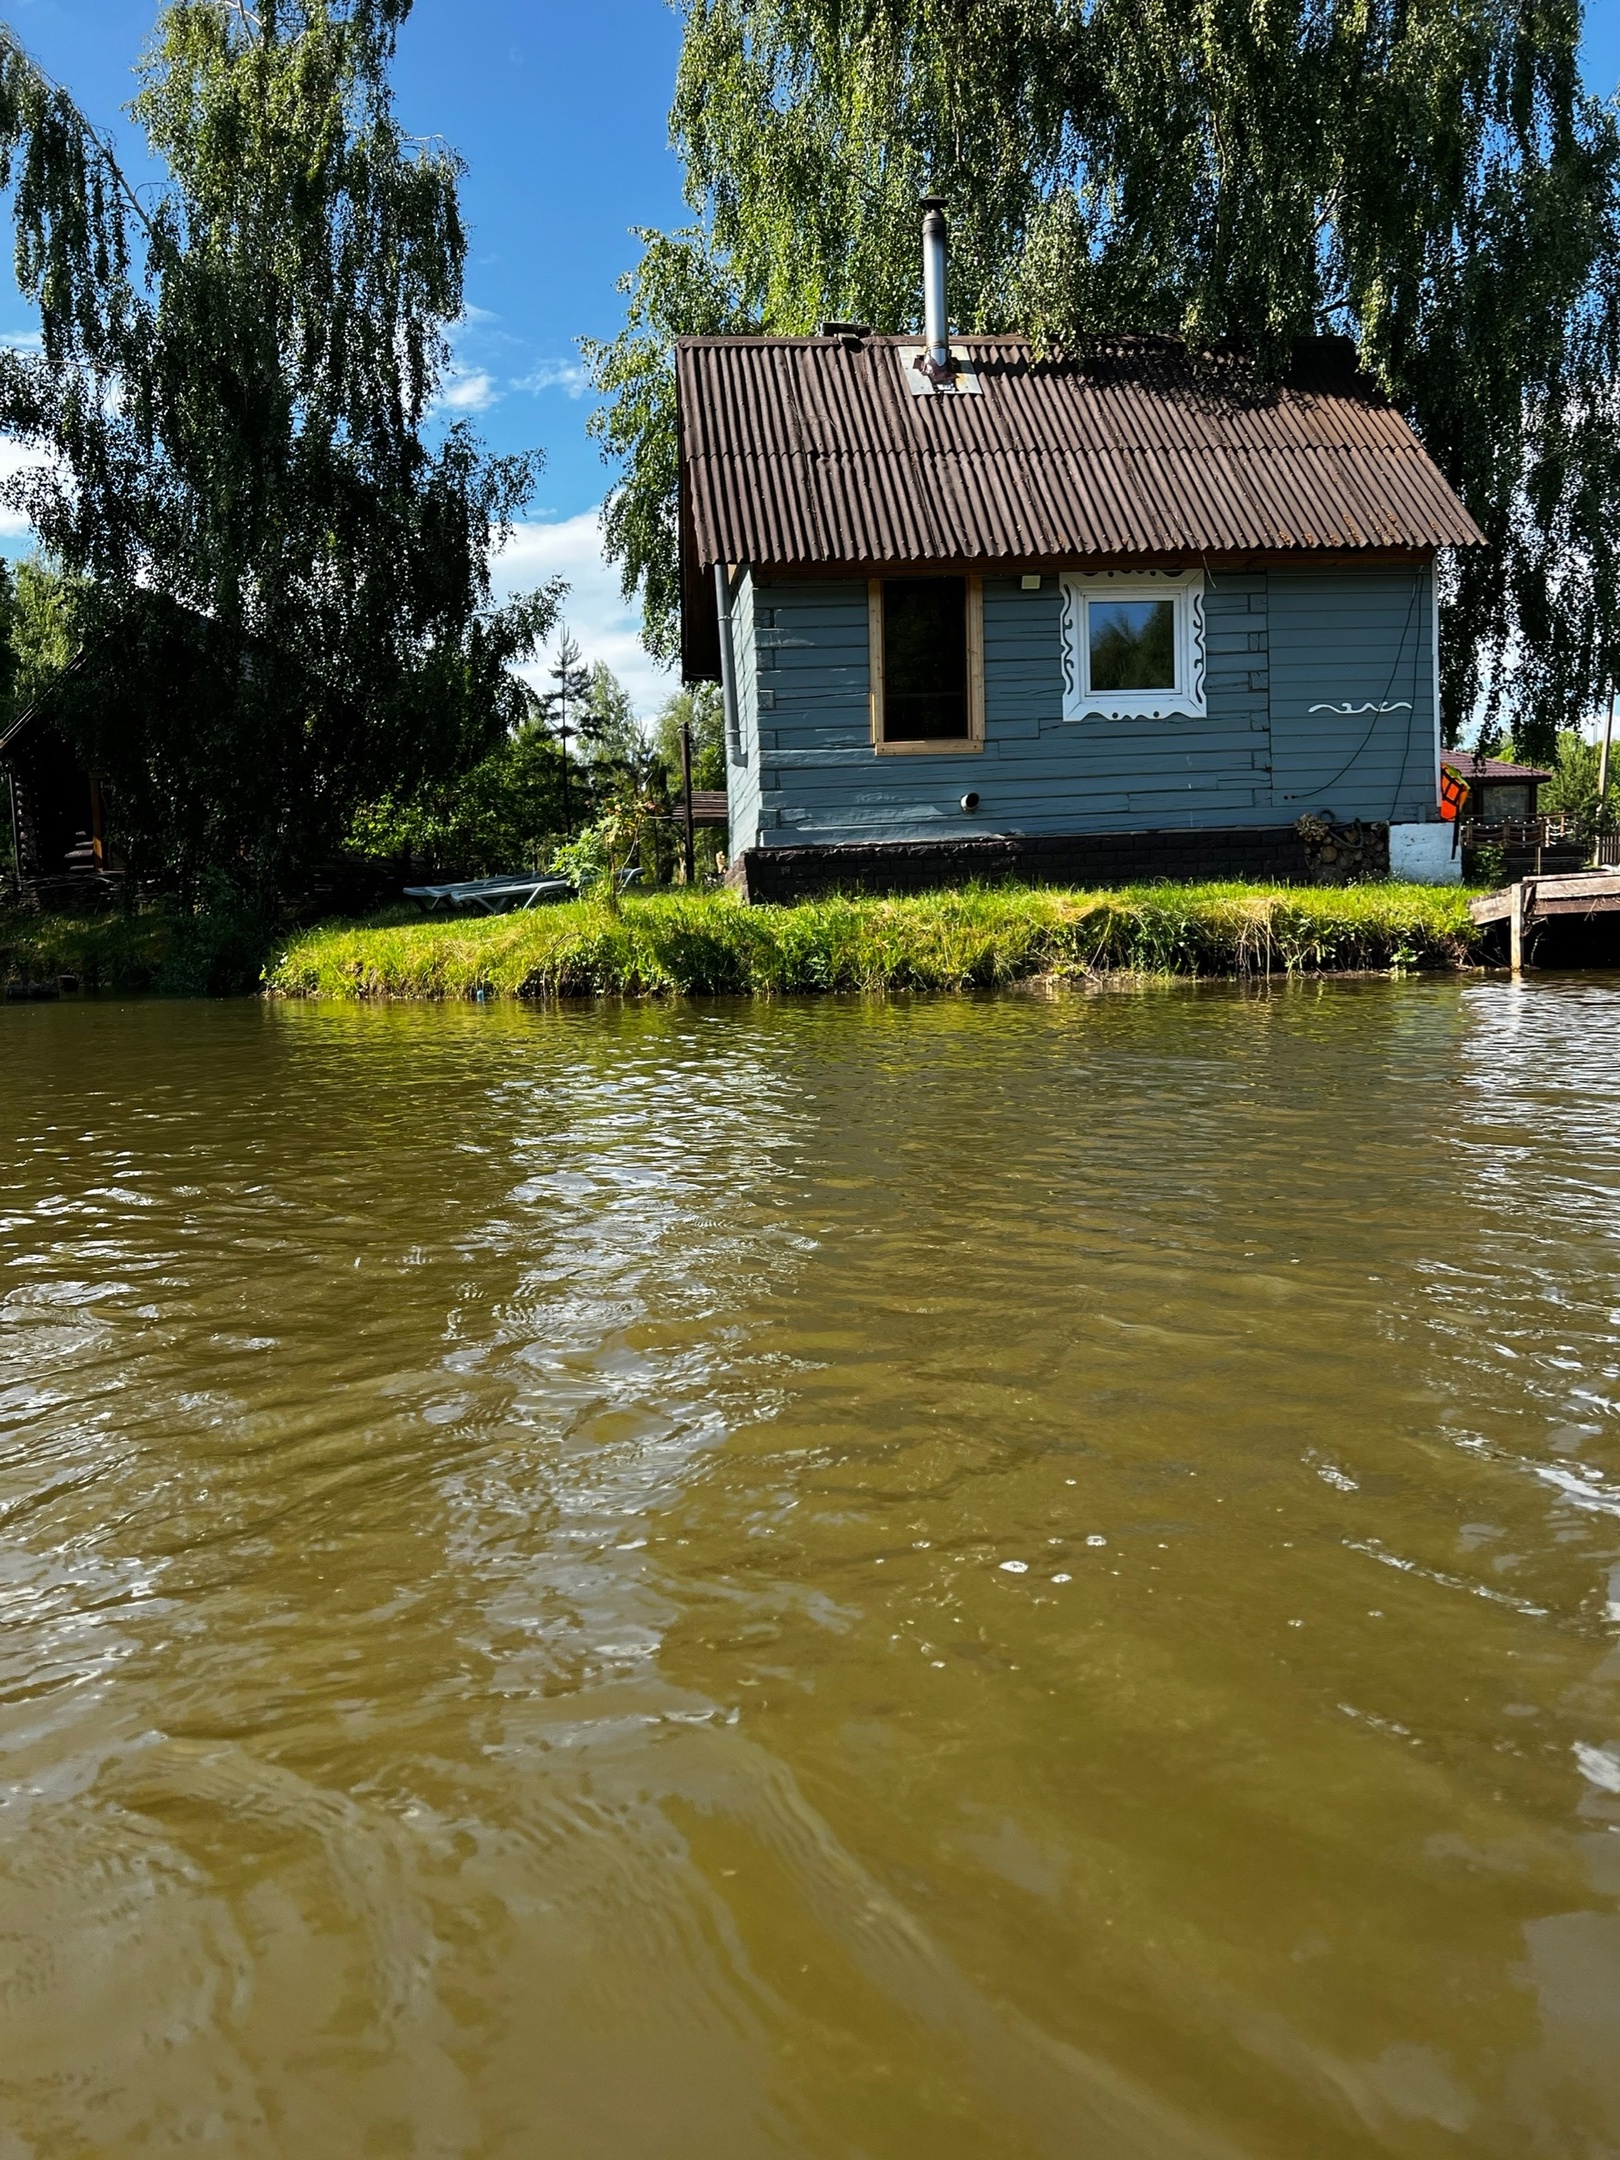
[
  {"x": 490, "y": 896},
  {"x": 504, "y": 895}
]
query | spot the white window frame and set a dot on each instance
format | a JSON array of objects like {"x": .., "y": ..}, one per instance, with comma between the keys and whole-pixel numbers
[{"x": 1186, "y": 699}]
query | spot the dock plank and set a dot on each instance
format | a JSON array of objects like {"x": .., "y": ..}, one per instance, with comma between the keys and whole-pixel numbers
[{"x": 1582, "y": 892}]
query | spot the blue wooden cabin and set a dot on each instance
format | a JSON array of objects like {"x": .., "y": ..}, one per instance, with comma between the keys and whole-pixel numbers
[{"x": 1086, "y": 618}]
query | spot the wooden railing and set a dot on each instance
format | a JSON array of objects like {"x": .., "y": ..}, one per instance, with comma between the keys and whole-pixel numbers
[
  {"x": 1519, "y": 837},
  {"x": 1519, "y": 833}
]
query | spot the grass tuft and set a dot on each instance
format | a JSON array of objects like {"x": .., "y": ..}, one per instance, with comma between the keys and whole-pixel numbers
[{"x": 976, "y": 938}]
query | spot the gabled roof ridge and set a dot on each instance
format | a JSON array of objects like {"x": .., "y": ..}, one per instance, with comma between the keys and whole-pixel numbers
[{"x": 816, "y": 453}]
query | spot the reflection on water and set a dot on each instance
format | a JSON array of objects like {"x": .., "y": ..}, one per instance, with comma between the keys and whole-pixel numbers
[{"x": 951, "y": 1578}]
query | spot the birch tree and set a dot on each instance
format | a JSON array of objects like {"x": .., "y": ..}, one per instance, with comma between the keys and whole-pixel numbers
[
  {"x": 1427, "y": 176},
  {"x": 285, "y": 583}
]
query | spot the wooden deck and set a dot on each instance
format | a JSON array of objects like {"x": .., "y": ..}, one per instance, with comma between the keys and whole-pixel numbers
[{"x": 1584, "y": 893}]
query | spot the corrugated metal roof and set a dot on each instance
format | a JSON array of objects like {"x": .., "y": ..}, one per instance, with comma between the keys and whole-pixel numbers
[
  {"x": 1491, "y": 771},
  {"x": 813, "y": 453}
]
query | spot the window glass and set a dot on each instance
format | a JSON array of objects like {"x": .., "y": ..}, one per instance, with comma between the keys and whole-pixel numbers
[
  {"x": 1133, "y": 644},
  {"x": 925, "y": 669}
]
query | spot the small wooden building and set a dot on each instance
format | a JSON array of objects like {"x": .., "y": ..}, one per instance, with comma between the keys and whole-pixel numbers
[
  {"x": 57, "y": 805},
  {"x": 1129, "y": 612},
  {"x": 1499, "y": 792}
]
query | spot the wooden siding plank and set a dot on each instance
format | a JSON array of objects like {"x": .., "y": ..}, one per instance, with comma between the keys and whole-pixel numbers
[
  {"x": 1362, "y": 639},
  {"x": 1036, "y": 773}
]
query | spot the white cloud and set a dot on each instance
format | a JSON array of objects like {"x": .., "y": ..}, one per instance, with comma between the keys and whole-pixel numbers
[
  {"x": 594, "y": 610},
  {"x": 565, "y": 375},
  {"x": 468, "y": 392},
  {"x": 17, "y": 457},
  {"x": 571, "y": 548}
]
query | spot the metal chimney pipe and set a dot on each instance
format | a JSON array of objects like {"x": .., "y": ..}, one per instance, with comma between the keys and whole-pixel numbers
[{"x": 936, "y": 324}]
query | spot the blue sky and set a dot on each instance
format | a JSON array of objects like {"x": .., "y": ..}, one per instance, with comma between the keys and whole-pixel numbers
[{"x": 560, "y": 112}]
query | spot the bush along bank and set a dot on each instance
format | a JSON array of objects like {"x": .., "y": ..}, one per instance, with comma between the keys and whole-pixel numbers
[
  {"x": 710, "y": 942},
  {"x": 154, "y": 949}
]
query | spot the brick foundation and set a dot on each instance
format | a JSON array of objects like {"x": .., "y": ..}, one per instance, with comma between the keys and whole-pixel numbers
[{"x": 1272, "y": 853}]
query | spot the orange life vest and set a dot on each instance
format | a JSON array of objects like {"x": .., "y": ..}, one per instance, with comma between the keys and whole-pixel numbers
[{"x": 1453, "y": 793}]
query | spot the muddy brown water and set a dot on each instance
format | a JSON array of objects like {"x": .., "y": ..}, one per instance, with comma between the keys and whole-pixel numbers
[{"x": 975, "y": 1577}]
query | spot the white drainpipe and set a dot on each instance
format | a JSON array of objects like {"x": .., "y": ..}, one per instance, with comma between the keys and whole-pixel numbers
[{"x": 728, "y": 666}]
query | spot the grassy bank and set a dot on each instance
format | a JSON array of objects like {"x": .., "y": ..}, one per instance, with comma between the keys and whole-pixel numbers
[
  {"x": 157, "y": 949},
  {"x": 709, "y": 942}
]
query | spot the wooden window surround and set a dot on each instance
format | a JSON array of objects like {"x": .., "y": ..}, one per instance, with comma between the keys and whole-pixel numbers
[{"x": 886, "y": 741}]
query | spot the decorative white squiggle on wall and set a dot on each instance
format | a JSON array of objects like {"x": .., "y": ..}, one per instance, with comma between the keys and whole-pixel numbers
[{"x": 1397, "y": 705}]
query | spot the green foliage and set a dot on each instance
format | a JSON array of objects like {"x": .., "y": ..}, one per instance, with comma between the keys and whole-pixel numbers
[
  {"x": 502, "y": 815},
  {"x": 41, "y": 629},
  {"x": 680, "y": 289},
  {"x": 287, "y": 609},
  {"x": 584, "y": 859},
  {"x": 560, "y": 707},
  {"x": 609, "y": 730},
  {"x": 711, "y": 942},
  {"x": 633, "y": 827},
  {"x": 702, "y": 710},
  {"x": 217, "y": 950},
  {"x": 1425, "y": 175},
  {"x": 1489, "y": 867},
  {"x": 38, "y": 630},
  {"x": 1573, "y": 789}
]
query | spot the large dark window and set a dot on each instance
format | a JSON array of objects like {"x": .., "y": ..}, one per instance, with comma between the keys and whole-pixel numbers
[
  {"x": 925, "y": 660},
  {"x": 1133, "y": 644}
]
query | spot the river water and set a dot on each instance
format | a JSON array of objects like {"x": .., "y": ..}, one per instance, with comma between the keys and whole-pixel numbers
[{"x": 981, "y": 1577}]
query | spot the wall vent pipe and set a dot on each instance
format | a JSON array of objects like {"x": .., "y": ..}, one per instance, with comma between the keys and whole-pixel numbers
[
  {"x": 936, "y": 359},
  {"x": 728, "y": 665}
]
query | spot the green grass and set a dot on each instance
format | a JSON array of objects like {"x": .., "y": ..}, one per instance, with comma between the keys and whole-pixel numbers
[
  {"x": 708, "y": 942},
  {"x": 155, "y": 949}
]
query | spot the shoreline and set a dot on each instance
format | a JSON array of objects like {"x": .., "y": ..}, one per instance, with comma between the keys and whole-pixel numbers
[{"x": 709, "y": 943}]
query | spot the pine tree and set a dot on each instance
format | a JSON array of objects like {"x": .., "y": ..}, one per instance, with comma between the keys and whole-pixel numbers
[
  {"x": 563, "y": 705},
  {"x": 561, "y": 708},
  {"x": 609, "y": 728}
]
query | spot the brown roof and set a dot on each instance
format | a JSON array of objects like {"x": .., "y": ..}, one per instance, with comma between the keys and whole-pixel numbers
[
  {"x": 812, "y": 453},
  {"x": 1490, "y": 770}
]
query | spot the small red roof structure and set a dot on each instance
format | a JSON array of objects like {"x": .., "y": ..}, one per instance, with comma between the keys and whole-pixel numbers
[{"x": 1493, "y": 772}]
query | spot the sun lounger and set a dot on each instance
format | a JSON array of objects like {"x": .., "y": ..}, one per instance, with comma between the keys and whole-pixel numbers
[
  {"x": 502, "y": 895},
  {"x": 490, "y": 896}
]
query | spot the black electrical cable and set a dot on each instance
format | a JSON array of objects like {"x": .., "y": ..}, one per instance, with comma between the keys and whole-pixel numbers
[
  {"x": 1322, "y": 787},
  {"x": 1411, "y": 718}
]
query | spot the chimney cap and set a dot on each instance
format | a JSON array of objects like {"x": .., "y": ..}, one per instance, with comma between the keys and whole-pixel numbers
[{"x": 933, "y": 202}]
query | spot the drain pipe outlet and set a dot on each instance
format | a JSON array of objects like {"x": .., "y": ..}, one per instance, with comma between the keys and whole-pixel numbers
[{"x": 728, "y": 666}]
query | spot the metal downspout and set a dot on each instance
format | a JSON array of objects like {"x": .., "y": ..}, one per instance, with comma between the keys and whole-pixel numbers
[{"x": 728, "y": 666}]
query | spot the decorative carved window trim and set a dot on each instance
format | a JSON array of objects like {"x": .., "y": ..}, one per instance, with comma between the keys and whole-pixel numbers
[{"x": 1186, "y": 700}]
